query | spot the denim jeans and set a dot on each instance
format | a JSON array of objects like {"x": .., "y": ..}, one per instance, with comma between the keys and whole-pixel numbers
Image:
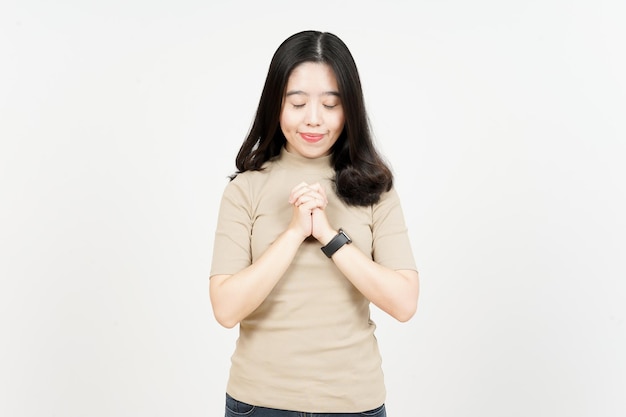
[{"x": 236, "y": 408}]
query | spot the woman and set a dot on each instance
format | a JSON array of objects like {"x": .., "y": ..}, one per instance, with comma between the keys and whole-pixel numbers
[{"x": 310, "y": 231}]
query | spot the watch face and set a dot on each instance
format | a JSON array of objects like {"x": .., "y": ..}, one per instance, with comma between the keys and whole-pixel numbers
[
  {"x": 340, "y": 239},
  {"x": 346, "y": 235}
]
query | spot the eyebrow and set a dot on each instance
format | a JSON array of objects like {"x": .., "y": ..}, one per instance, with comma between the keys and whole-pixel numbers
[{"x": 300, "y": 92}]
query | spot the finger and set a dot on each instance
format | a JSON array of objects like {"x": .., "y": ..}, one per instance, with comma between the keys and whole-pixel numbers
[
  {"x": 321, "y": 199},
  {"x": 316, "y": 198},
  {"x": 297, "y": 191},
  {"x": 317, "y": 187},
  {"x": 304, "y": 192},
  {"x": 308, "y": 206},
  {"x": 304, "y": 199}
]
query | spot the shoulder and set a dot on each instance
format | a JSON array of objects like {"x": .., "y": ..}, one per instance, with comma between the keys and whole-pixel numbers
[
  {"x": 388, "y": 205},
  {"x": 248, "y": 182},
  {"x": 252, "y": 176},
  {"x": 388, "y": 197}
]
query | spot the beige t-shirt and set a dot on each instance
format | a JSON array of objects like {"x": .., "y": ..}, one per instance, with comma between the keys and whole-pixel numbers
[{"x": 310, "y": 346}]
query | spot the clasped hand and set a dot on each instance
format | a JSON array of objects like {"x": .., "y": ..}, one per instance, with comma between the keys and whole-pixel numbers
[{"x": 309, "y": 217}]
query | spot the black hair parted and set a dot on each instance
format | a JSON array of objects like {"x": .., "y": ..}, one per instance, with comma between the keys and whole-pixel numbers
[{"x": 361, "y": 175}]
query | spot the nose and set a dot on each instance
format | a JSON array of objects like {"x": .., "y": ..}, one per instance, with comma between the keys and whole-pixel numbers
[{"x": 313, "y": 116}]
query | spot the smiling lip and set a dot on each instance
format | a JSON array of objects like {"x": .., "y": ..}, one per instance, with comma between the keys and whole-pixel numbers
[{"x": 311, "y": 137}]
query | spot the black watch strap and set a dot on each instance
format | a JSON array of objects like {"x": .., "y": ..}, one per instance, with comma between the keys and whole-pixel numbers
[{"x": 336, "y": 242}]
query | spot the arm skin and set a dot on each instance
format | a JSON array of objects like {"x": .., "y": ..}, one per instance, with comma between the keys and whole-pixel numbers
[
  {"x": 394, "y": 292},
  {"x": 234, "y": 297}
]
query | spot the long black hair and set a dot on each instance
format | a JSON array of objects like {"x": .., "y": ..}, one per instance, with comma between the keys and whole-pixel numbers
[{"x": 361, "y": 175}]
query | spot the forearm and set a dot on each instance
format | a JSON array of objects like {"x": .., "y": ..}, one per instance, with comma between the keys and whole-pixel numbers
[
  {"x": 395, "y": 292},
  {"x": 234, "y": 297}
]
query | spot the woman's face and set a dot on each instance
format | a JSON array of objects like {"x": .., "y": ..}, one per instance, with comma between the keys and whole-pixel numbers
[{"x": 312, "y": 116}]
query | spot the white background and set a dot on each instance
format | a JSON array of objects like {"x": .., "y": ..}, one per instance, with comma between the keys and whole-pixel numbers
[{"x": 504, "y": 123}]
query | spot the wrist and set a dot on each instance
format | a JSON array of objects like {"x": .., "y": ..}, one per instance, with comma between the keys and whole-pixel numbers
[
  {"x": 336, "y": 242},
  {"x": 294, "y": 235},
  {"x": 327, "y": 236}
]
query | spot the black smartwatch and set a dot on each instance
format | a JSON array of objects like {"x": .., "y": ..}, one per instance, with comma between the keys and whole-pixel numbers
[{"x": 335, "y": 243}]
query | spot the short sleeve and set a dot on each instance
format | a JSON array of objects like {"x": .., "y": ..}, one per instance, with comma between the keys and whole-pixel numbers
[
  {"x": 391, "y": 246},
  {"x": 231, "y": 248}
]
